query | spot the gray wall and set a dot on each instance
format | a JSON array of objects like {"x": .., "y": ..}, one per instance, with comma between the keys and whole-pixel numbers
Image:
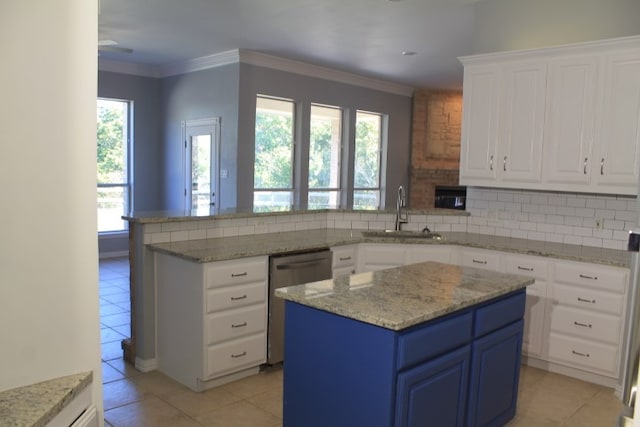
[
  {"x": 259, "y": 80},
  {"x": 522, "y": 24},
  {"x": 147, "y": 171},
  {"x": 201, "y": 94}
]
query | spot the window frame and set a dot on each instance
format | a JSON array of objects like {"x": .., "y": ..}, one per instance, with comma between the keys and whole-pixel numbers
[
  {"x": 128, "y": 185},
  {"x": 382, "y": 160}
]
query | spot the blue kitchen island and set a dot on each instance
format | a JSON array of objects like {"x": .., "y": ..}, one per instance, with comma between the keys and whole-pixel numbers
[{"x": 426, "y": 344}]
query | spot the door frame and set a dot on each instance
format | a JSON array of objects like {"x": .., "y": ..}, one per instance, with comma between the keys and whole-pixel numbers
[{"x": 206, "y": 126}]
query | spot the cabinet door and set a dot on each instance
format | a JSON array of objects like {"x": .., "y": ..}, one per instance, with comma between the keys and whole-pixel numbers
[
  {"x": 434, "y": 393},
  {"x": 373, "y": 257},
  {"x": 533, "y": 336},
  {"x": 569, "y": 124},
  {"x": 422, "y": 253},
  {"x": 478, "y": 158},
  {"x": 619, "y": 133},
  {"x": 495, "y": 370},
  {"x": 521, "y": 126}
]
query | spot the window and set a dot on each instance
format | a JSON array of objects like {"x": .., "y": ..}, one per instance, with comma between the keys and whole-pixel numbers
[
  {"x": 202, "y": 146},
  {"x": 325, "y": 146},
  {"x": 367, "y": 161},
  {"x": 273, "y": 168},
  {"x": 113, "y": 164}
]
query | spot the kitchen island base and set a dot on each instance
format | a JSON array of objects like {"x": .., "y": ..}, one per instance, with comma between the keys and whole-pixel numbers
[{"x": 458, "y": 370}]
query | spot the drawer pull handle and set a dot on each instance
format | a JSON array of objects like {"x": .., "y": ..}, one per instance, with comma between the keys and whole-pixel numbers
[
  {"x": 584, "y": 276},
  {"x": 477, "y": 261},
  {"x": 525, "y": 268},
  {"x": 584, "y": 325},
  {"x": 239, "y": 274},
  {"x": 235, "y": 356},
  {"x": 238, "y": 298},
  {"x": 347, "y": 258},
  {"x": 591, "y": 301},
  {"x": 577, "y": 353},
  {"x": 243, "y": 324}
]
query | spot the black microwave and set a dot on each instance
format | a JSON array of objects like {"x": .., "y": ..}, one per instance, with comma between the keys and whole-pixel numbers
[{"x": 448, "y": 197}]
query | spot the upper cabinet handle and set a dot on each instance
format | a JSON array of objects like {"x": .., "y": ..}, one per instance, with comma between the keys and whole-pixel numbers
[
  {"x": 602, "y": 166},
  {"x": 504, "y": 164},
  {"x": 585, "y": 165},
  {"x": 491, "y": 163}
]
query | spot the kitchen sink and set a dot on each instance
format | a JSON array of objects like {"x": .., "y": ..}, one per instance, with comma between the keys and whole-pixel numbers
[{"x": 403, "y": 234}]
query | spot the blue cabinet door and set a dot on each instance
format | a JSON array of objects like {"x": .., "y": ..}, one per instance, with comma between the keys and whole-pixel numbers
[
  {"x": 495, "y": 370},
  {"x": 434, "y": 393}
]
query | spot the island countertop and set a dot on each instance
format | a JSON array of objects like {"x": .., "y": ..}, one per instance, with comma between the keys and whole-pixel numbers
[{"x": 401, "y": 297}]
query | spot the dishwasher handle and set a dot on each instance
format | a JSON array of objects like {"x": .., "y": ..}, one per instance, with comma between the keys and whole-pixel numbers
[{"x": 300, "y": 264}]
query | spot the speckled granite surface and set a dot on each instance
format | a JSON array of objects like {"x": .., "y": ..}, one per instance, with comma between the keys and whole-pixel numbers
[
  {"x": 402, "y": 297},
  {"x": 208, "y": 250},
  {"x": 35, "y": 405}
]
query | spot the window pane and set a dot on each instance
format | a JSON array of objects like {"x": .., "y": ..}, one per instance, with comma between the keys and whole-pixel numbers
[
  {"x": 324, "y": 199},
  {"x": 112, "y": 142},
  {"x": 112, "y": 202},
  {"x": 272, "y": 201},
  {"x": 201, "y": 173},
  {"x": 324, "y": 147},
  {"x": 366, "y": 199},
  {"x": 112, "y": 164},
  {"x": 367, "y": 156},
  {"x": 274, "y": 144}
]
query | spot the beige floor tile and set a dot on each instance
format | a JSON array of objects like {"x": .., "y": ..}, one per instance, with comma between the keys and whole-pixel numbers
[
  {"x": 158, "y": 384},
  {"x": 126, "y": 368},
  {"x": 122, "y": 392},
  {"x": 110, "y": 374},
  {"x": 198, "y": 404},
  {"x": 270, "y": 401},
  {"x": 257, "y": 384},
  {"x": 151, "y": 412},
  {"x": 239, "y": 414}
]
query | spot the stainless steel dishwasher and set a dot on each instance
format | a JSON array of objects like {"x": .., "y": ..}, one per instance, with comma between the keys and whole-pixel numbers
[{"x": 289, "y": 270}]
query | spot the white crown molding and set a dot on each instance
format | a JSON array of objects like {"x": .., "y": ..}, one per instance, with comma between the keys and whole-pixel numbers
[
  {"x": 202, "y": 63},
  {"x": 257, "y": 59},
  {"x": 317, "y": 71},
  {"x": 143, "y": 70}
]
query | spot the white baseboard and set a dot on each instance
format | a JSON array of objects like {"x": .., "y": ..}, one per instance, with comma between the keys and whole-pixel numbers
[{"x": 146, "y": 365}]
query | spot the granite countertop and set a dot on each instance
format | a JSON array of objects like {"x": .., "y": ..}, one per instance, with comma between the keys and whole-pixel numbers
[
  {"x": 402, "y": 297},
  {"x": 225, "y": 248},
  {"x": 37, "y": 404}
]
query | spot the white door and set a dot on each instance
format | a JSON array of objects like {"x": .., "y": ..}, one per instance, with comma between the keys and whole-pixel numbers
[
  {"x": 478, "y": 158},
  {"x": 569, "y": 124},
  {"x": 619, "y": 134},
  {"x": 521, "y": 129},
  {"x": 201, "y": 152}
]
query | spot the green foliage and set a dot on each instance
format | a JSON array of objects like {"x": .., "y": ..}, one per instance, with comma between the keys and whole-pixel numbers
[
  {"x": 274, "y": 151},
  {"x": 367, "y": 158},
  {"x": 111, "y": 143},
  {"x": 320, "y": 154}
]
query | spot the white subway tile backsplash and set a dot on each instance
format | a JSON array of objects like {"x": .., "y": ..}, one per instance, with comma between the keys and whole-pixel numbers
[
  {"x": 597, "y": 204},
  {"x": 627, "y": 215},
  {"x": 554, "y": 219},
  {"x": 197, "y": 234},
  {"x": 575, "y": 202},
  {"x": 586, "y": 212}
]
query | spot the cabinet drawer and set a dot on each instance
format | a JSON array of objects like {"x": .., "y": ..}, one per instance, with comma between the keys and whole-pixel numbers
[
  {"x": 236, "y": 323},
  {"x": 578, "y": 353},
  {"x": 525, "y": 266},
  {"x": 343, "y": 256},
  {"x": 480, "y": 259},
  {"x": 436, "y": 338},
  {"x": 236, "y": 354},
  {"x": 235, "y": 296},
  {"x": 343, "y": 271},
  {"x": 608, "y": 279},
  {"x": 586, "y": 324},
  {"x": 233, "y": 273},
  {"x": 589, "y": 299},
  {"x": 499, "y": 314}
]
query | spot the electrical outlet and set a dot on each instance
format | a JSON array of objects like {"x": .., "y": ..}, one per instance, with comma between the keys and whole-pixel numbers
[{"x": 599, "y": 223}]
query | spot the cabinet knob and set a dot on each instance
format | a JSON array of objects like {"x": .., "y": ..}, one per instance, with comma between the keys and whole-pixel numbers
[
  {"x": 504, "y": 164},
  {"x": 602, "y": 166},
  {"x": 585, "y": 165},
  {"x": 491, "y": 163}
]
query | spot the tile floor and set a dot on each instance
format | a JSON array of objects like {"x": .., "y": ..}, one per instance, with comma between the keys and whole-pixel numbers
[{"x": 134, "y": 399}]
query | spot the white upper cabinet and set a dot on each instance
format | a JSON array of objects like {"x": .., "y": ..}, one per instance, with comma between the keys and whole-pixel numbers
[
  {"x": 616, "y": 165},
  {"x": 569, "y": 124},
  {"x": 564, "y": 119},
  {"x": 478, "y": 157}
]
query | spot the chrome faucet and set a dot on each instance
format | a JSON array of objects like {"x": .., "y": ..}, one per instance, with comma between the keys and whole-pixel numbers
[{"x": 401, "y": 216}]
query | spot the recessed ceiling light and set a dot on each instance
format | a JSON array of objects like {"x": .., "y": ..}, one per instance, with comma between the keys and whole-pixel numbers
[{"x": 408, "y": 52}]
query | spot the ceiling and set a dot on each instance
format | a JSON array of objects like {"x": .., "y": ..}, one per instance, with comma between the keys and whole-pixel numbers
[{"x": 366, "y": 37}]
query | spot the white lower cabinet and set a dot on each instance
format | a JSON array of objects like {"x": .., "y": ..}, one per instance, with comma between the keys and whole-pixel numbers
[
  {"x": 587, "y": 316},
  {"x": 211, "y": 319},
  {"x": 379, "y": 256},
  {"x": 343, "y": 260}
]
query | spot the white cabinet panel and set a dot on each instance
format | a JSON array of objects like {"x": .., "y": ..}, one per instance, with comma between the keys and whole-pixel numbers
[
  {"x": 235, "y": 355},
  {"x": 575, "y": 352},
  {"x": 569, "y": 125},
  {"x": 422, "y": 253}
]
